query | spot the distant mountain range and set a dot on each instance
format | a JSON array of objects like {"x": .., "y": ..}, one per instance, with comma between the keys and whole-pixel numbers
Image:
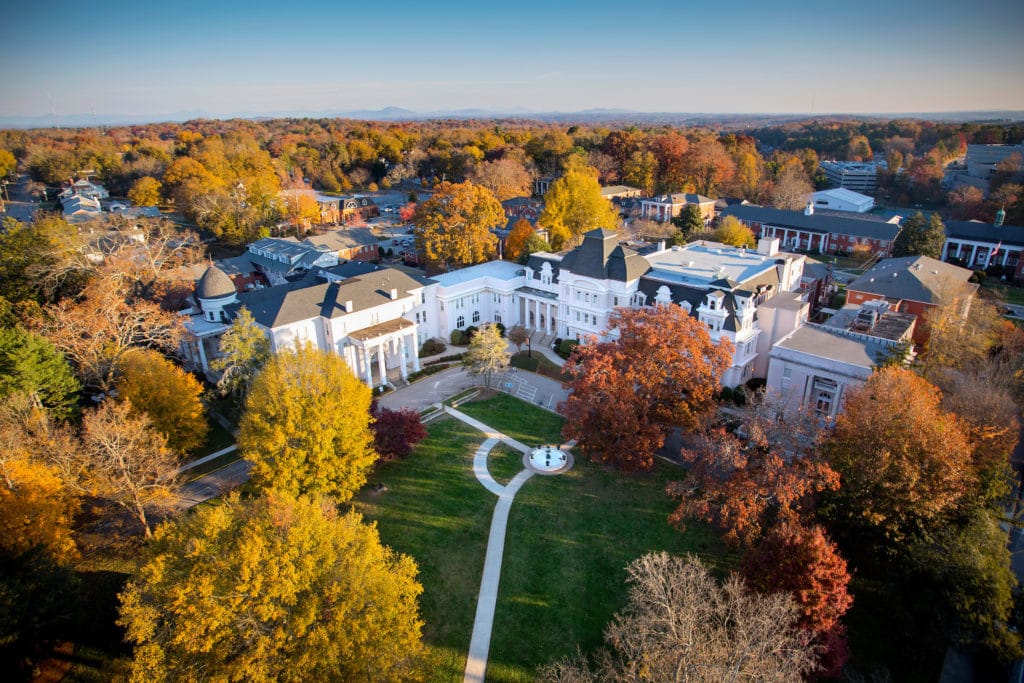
[{"x": 718, "y": 120}]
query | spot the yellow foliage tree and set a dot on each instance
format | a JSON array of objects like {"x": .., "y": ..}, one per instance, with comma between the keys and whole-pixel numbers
[
  {"x": 731, "y": 231},
  {"x": 145, "y": 191},
  {"x": 306, "y": 426},
  {"x": 453, "y": 227},
  {"x": 574, "y": 205},
  {"x": 273, "y": 589},
  {"x": 170, "y": 396}
]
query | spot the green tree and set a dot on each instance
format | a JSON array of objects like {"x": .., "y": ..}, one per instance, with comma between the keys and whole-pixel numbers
[
  {"x": 306, "y": 426},
  {"x": 168, "y": 395},
  {"x": 690, "y": 220},
  {"x": 273, "y": 589},
  {"x": 920, "y": 237},
  {"x": 574, "y": 205},
  {"x": 244, "y": 350},
  {"x": 453, "y": 227},
  {"x": 534, "y": 243},
  {"x": 487, "y": 353},
  {"x": 29, "y": 364},
  {"x": 145, "y": 191},
  {"x": 731, "y": 231}
]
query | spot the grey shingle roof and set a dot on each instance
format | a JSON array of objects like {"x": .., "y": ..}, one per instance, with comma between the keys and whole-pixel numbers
[
  {"x": 985, "y": 232},
  {"x": 913, "y": 278},
  {"x": 816, "y": 222},
  {"x": 601, "y": 257},
  {"x": 214, "y": 284}
]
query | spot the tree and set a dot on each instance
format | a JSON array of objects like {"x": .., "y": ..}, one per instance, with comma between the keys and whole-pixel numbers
[
  {"x": 505, "y": 178},
  {"x": 123, "y": 459},
  {"x": 396, "y": 432},
  {"x": 29, "y": 364},
  {"x": 453, "y": 227},
  {"x": 662, "y": 372},
  {"x": 244, "y": 350},
  {"x": 962, "y": 329},
  {"x": 967, "y": 202},
  {"x": 859, "y": 149},
  {"x": 731, "y": 231},
  {"x": 534, "y": 244},
  {"x": 574, "y": 205},
  {"x": 518, "y": 336},
  {"x": 7, "y": 163},
  {"x": 640, "y": 169},
  {"x": 156, "y": 387},
  {"x": 487, "y": 353},
  {"x": 306, "y": 426},
  {"x": 690, "y": 220},
  {"x": 145, "y": 191},
  {"x": 708, "y": 165},
  {"x": 515, "y": 243},
  {"x": 791, "y": 188},
  {"x": 681, "y": 625},
  {"x": 904, "y": 462},
  {"x": 670, "y": 150},
  {"x": 920, "y": 237},
  {"x": 273, "y": 589},
  {"x": 97, "y": 330}
]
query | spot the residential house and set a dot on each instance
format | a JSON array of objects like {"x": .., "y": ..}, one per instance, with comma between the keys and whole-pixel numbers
[
  {"x": 665, "y": 207},
  {"x": 613, "y": 192},
  {"x": 357, "y": 209},
  {"x": 915, "y": 285},
  {"x": 810, "y": 231},
  {"x": 350, "y": 244},
  {"x": 79, "y": 207},
  {"x": 83, "y": 188},
  {"x": 285, "y": 258}
]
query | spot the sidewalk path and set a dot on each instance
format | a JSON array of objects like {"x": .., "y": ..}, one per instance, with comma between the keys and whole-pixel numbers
[{"x": 480, "y": 643}]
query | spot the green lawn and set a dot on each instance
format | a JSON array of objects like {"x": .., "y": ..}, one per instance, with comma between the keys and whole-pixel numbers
[
  {"x": 538, "y": 363},
  {"x": 569, "y": 540},
  {"x": 521, "y": 421},
  {"x": 1008, "y": 293},
  {"x": 504, "y": 462}
]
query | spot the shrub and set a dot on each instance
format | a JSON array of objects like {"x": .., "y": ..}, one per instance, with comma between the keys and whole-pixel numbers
[
  {"x": 501, "y": 329},
  {"x": 979, "y": 276},
  {"x": 446, "y": 359},
  {"x": 725, "y": 394},
  {"x": 756, "y": 384},
  {"x": 458, "y": 338},
  {"x": 427, "y": 371},
  {"x": 739, "y": 396},
  {"x": 432, "y": 347},
  {"x": 471, "y": 332},
  {"x": 566, "y": 347}
]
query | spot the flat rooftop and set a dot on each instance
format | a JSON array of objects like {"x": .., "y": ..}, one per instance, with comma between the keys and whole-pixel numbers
[
  {"x": 700, "y": 263},
  {"x": 499, "y": 270},
  {"x": 814, "y": 341},
  {"x": 891, "y": 325}
]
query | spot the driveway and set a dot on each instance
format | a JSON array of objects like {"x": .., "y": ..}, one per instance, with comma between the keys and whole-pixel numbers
[{"x": 528, "y": 386}]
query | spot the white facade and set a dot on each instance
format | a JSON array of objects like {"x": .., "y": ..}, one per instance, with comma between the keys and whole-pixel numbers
[{"x": 841, "y": 199}]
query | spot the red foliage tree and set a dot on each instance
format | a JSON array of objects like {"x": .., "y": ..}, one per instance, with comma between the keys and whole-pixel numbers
[
  {"x": 407, "y": 212},
  {"x": 743, "y": 487},
  {"x": 396, "y": 432},
  {"x": 662, "y": 372}
]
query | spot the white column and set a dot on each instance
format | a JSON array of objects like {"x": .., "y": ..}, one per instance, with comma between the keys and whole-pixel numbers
[
  {"x": 202, "y": 355},
  {"x": 367, "y": 368},
  {"x": 380, "y": 364},
  {"x": 415, "y": 351},
  {"x": 403, "y": 348},
  {"x": 551, "y": 319},
  {"x": 974, "y": 251}
]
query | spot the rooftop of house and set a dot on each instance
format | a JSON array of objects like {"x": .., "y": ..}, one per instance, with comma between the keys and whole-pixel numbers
[
  {"x": 602, "y": 257},
  {"x": 612, "y": 190},
  {"x": 499, "y": 270},
  {"x": 791, "y": 301},
  {"x": 702, "y": 263},
  {"x": 681, "y": 198},
  {"x": 845, "y": 224},
  {"x": 915, "y": 278},
  {"x": 887, "y": 324},
  {"x": 976, "y": 231},
  {"x": 348, "y": 238},
  {"x": 819, "y": 342},
  {"x": 843, "y": 195}
]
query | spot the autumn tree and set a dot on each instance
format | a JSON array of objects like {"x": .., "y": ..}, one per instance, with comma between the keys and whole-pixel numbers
[
  {"x": 791, "y": 188},
  {"x": 505, "y": 178},
  {"x": 396, "y": 432},
  {"x": 453, "y": 227},
  {"x": 680, "y": 624},
  {"x": 145, "y": 191},
  {"x": 123, "y": 459},
  {"x": 670, "y": 149},
  {"x": 904, "y": 462},
  {"x": 487, "y": 353},
  {"x": 708, "y": 166},
  {"x": 962, "y": 329},
  {"x": 7, "y": 163},
  {"x": 96, "y": 331},
  {"x": 515, "y": 243},
  {"x": 574, "y": 205},
  {"x": 30, "y": 365},
  {"x": 518, "y": 336},
  {"x": 920, "y": 237},
  {"x": 690, "y": 220},
  {"x": 273, "y": 588},
  {"x": 732, "y": 232},
  {"x": 967, "y": 202},
  {"x": 244, "y": 349},
  {"x": 156, "y": 387},
  {"x": 306, "y": 425},
  {"x": 640, "y": 170},
  {"x": 660, "y": 371}
]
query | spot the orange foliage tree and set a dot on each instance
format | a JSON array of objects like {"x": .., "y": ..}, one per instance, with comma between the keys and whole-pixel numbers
[
  {"x": 515, "y": 243},
  {"x": 661, "y": 372}
]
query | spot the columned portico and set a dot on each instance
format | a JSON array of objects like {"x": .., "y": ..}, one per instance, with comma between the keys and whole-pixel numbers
[
  {"x": 394, "y": 343},
  {"x": 540, "y": 310}
]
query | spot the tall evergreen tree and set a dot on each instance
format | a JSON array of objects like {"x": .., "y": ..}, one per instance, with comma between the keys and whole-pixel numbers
[{"x": 920, "y": 237}]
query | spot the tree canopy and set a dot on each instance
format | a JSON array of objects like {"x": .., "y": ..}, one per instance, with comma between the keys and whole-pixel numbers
[
  {"x": 515, "y": 243},
  {"x": 731, "y": 231},
  {"x": 487, "y": 353},
  {"x": 306, "y": 425},
  {"x": 453, "y": 227},
  {"x": 662, "y": 371},
  {"x": 273, "y": 589},
  {"x": 29, "y": 364},
  {"x": 244, "y": 349},
  {"x": 573, "y": 205},
  {"x": 919, "y": 236}
]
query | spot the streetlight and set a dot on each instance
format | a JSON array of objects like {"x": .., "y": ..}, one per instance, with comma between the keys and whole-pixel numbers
[{"x": 529, "y": 349}]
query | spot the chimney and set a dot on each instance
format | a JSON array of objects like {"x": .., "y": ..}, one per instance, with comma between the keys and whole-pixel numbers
[
  {"x": 809, "y": 209},
  {"x": 768, "y": 246},
  {"x": 1000, "y": 217},
  {"x": 348, "y": 307},
  {"x": 661, "y": 245},
  {"x": 394, "y": 294}
]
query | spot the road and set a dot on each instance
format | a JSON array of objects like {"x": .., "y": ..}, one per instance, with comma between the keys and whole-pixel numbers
[
  {"x": 22, "y": 205},
  {"x": 214, "y": 484}
]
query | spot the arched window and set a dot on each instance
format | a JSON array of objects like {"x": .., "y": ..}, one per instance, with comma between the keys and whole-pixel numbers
[
  {"x": 460, "y": 322},
  {"x": 476, "y": 317},
  {"x": 497, "y": 317}
]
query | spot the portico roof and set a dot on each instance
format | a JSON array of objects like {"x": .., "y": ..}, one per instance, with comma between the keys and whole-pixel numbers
[{"x": 381, "y": 330}]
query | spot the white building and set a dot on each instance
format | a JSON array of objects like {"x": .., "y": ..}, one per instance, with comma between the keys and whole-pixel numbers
[{"x": 841, "y": 199}]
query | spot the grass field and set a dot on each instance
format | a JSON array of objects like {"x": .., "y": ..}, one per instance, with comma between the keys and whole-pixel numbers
[{"x": 569, "y": 540}]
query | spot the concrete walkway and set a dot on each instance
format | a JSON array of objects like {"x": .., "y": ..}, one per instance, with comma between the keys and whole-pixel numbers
[{"x": 480, "y": 643}]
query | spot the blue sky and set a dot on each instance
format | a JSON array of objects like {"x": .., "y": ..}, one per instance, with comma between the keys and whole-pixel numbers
[{"x": 262, "y": 58}]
